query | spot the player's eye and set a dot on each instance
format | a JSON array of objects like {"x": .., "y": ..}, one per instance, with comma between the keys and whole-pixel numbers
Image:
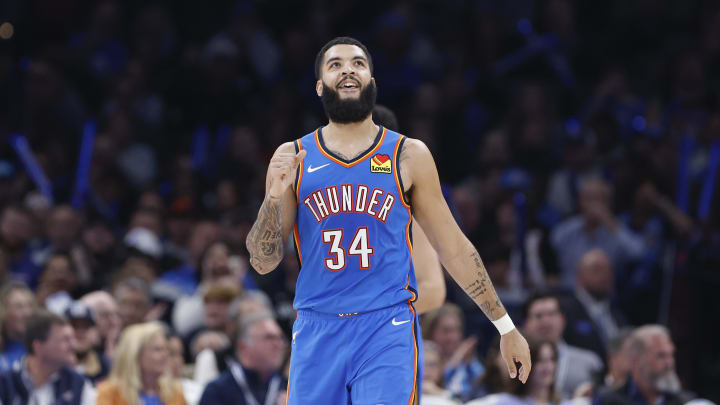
[{"x": 359, "y": 63}]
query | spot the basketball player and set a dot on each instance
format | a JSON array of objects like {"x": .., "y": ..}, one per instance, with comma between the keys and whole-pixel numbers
[
  {"x": 428, "y": 272},
  {"x": 346, "y": 192}
]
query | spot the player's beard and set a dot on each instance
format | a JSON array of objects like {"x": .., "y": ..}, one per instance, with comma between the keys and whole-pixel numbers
[{"x": 345, "y": 111}]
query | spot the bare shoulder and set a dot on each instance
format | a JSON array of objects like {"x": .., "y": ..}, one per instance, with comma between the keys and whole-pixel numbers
[{"x": 416, "y": 161}]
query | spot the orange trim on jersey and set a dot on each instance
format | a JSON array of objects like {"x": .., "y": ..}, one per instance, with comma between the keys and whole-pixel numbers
[
  {"x": 296, "y": 236},
  {"x": 397, "y": 173},
  {"x": 287, "y": 390},
  {"x": 300, "y": 175},
  {"x": 413, "y": 394},
  {"x": 407, "y": 287},
  {"x": 360, "y": 159}
]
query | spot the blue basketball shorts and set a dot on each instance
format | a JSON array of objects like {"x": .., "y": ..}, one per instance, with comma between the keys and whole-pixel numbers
[{"x": 360, "y": 359}]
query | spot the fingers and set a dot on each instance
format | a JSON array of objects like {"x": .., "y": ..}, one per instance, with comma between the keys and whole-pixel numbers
[
  {"x": 511, "y": 367},
  {"x": 525, "y": 367}
]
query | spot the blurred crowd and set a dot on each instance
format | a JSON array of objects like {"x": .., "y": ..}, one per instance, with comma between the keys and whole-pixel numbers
[{"x": 578, "y": 144}]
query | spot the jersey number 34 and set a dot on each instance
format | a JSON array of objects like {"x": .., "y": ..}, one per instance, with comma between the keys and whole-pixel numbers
[{"x": 338, "y": 256}]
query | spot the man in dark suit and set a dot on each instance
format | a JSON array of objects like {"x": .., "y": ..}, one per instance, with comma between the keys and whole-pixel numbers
[
  {"x": 255, "y": 379},
  {"x": 592, "y": 320}
]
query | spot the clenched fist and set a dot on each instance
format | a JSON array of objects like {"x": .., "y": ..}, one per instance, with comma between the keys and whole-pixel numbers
[{"x": 281, "y": 169}]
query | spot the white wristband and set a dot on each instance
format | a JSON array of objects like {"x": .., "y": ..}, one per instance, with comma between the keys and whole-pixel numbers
[{"x": 504, "y": 324}]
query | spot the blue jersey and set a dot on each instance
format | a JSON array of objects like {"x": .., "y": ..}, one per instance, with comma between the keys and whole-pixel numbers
[{"x": 352, "y": 231}]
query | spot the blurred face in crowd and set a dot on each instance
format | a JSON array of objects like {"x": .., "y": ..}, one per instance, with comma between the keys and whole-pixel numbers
[
  {"x": 542, "y": 374},
  {"x": 57, "y": 350},
  {"x": 215, "y": 264},
  {"x": 544, "y": 320},
  {"x": 15, "y": 228},
  {"x": 107, "y": 316},
  {"x": 620, "y": 363},
  {"x": 175, "y": 353},
  {"x": 216, "y": 314},
  {"x": 264, "y": 347},
  {"x": 595, "y": 274},
  {"x": 594, "y": 200},
  {"x": 98, "y": 238},
  {"x": 19, "y": 305},
  {"x": 448, "y": 333},
  {"x": 154, "y": 357},
  {"x": 58, "y": 275},
  {"x": 203, "y": 234},
  {"x": 148, "y": 220},
  {"x": 656, "y": 367},
  {"x": 346, "y": 86},
  {"x": 133, "y": 305},
  {"x": 86, "y": 335},
  {"x": 433, "y": 365},
  {"x": 63, "y": 226}
]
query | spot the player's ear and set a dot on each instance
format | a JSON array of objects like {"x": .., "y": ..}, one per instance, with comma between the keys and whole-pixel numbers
[
  {"x": 319, "y": 88},
  {"x": 373, "y": 81}
]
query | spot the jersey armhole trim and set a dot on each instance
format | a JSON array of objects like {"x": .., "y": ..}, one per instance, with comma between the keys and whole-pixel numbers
[
  {"x": 299, "y": 172},
  {"x": 398, "y": 176}
]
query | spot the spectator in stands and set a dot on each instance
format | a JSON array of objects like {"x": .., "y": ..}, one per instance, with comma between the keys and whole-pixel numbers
[
  {"x": 107, "y": 318},
  {"x": 94, "y": 365},
  {"x": 16, "y": 230},
  {"x": 255, "y": 377},
  {"x": 461, "y": 367},
  {"x": 545, "y": 320},
  {"x": 202, "y": 236},
  {"x": 213, "y": 340},
  {"x": 595, "y": 227},
  {"x": 191, "y": 389},
  {"x": 57, "y": 282},
  {"x": 592, "y": 320},
  {"x": 134, "y": 301},
  {"x": 540, "y": 386},
  {"x": 619, "y": 366},
  {"x": 217, "y": 299},
  {"x": 16, "y": 305},
  {"x": 434, "y": 392},
  {"x": 45, "y": 377},
  {"x": 218, "y": 265},
  {"x": 209, "y": 364},
  {"x": 141, "y": 370},
  {"x": 652, "y": 377}
]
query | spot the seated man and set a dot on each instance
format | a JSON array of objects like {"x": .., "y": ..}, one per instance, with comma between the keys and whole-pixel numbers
[
  {"x": 255, "y": 378},
  {"x": 45, "y": 376}
]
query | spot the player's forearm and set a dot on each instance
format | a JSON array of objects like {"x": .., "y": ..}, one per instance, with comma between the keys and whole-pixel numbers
[
  {"x": 265, "y": 242},
  {"x": 469, "y": 272}
]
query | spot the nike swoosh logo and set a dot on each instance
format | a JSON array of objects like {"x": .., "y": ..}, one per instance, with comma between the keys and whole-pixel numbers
[
  {"x": 396, "y": 323},
  {"x": 312, "y": 169}
]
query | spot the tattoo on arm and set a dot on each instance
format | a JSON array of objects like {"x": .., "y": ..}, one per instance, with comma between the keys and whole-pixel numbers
[
  {"x": 481, "y": 289},
  {"x": 264, "y": 242}
]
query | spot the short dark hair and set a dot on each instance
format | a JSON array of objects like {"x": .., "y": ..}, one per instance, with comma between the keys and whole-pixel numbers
[
  {"x": 385, "y": 117},
  {"x": 38, "y": 327},
  {"x": 340, "y": 41},
  {"x": 537, "y": 296}
]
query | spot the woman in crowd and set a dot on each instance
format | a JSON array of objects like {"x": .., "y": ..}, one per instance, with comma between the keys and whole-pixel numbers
[
  {"x": 141, "y": 370},
  {"x": 17, "y": 303},
  {"x": 540, "y": 386}
]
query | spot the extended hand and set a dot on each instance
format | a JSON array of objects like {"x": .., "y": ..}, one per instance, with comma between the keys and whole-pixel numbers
[{"x": 514, "y": 348}]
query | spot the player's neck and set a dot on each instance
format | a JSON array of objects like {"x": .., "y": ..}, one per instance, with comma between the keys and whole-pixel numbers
[{"x": 350, "y": 133}]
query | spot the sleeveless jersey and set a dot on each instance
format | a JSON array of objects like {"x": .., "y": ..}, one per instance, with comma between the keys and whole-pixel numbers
[{"x": 352, "y": 230}]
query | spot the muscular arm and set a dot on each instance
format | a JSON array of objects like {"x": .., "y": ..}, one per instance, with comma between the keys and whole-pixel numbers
[
  {"x": 266, "y": 239},
  {"x": 456, "y": 253},
  {"x": 429, "y": 273}
]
